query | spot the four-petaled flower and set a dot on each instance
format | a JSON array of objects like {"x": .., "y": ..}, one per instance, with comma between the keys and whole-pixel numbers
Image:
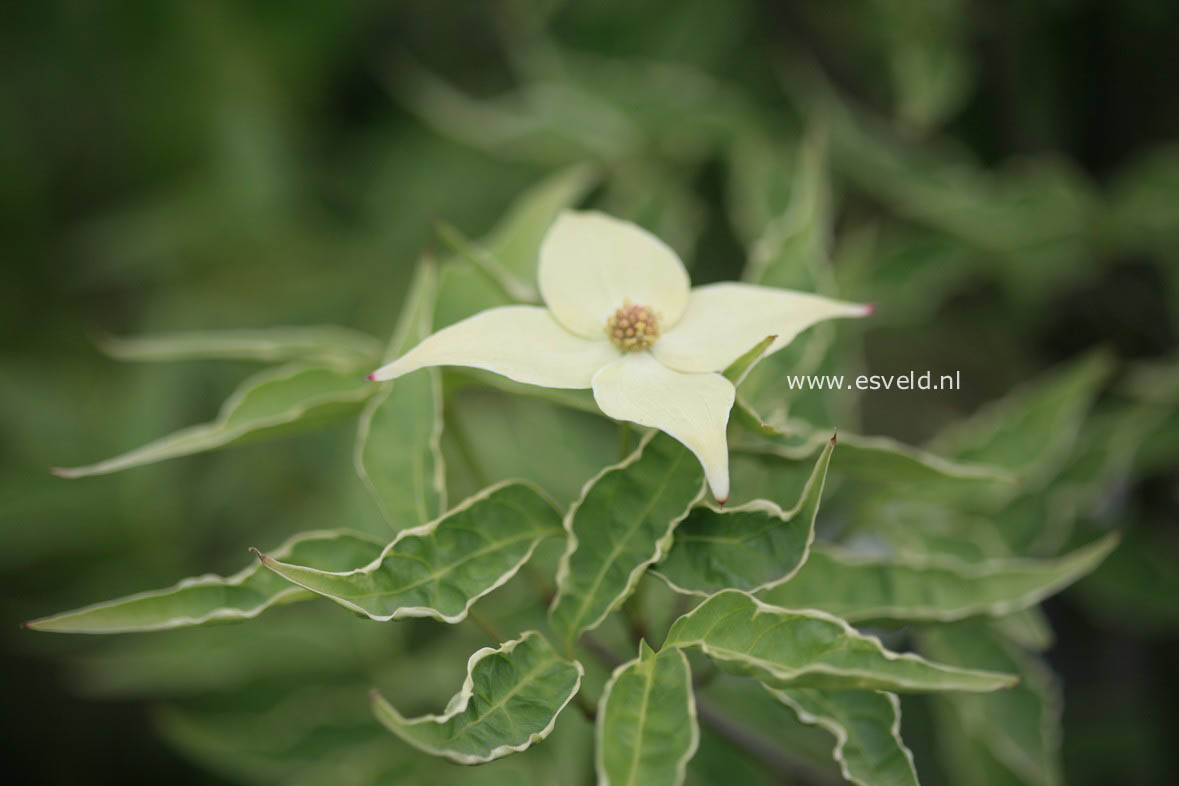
[{"x": 622, "y": 320}]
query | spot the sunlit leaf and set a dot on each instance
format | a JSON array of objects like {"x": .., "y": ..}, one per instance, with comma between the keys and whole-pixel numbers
[
  {"x": 867, "y": 730},
  {"x": 622, "y": 524},
  {"x": 510, "y": 699},
  {"x": 749, "y": 547},
  {"x": 440, "y": 569},
  {"x": 646, "y": 725},
  {"x": 787, "y": 648},
  {"x": 206, "y": 599}
]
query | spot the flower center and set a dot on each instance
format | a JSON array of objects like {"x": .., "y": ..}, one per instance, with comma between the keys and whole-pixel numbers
[{"x": 632, "y": 327}]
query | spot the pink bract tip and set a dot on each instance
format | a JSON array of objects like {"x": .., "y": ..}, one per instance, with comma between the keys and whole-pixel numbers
[
  {"x": 869, "y": 309},
  {"x": 372, "y": 377},
  {"x": 721, "y": 502}
]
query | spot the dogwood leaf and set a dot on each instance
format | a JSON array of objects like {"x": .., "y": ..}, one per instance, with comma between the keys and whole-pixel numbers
[
  {"x": 267, "y": 403},
  {"x": 206, "y": 599},
  {"x": 440, "y": 569},
  {"x": 749, "y": 547},
  {"x": 326, "y": 343},
  {"x": 808, "y": 648},
  {"x": 867, "y": 730},
  {"x": 510, "y": 699},
  {"x": 399, "y": 436},
  {"x": 646, "y": 724},
  {"x": 622, "y": 523},
  {"x": 860, "y": 587},
  {"x": 1020, "y": 728}
]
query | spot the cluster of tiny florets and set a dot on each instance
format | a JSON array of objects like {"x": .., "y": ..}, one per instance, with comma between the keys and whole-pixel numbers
[{"x": 632, "y": 327}]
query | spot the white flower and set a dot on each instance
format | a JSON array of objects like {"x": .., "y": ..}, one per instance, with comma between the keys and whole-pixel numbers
[{"x": 622, "y": 320}]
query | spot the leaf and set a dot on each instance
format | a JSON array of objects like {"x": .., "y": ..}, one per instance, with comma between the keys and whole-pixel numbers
[
  {"x": 646, "y": 725},
  {"x": 813, "y": 649},
  {"x": 791, "y": 250},
  {"x": 622, "y": 523},
  {"x": 515, "y": 241},
  {"x": 206, "y": 599},
  {"x": 909, "y": 587},
  {"x": 326, "y": 343},
  {"x": 867, "y": 730},
  {"x": 749, "y": 547},
  {"x": 440, "y": 569},
  {"x": 1031, "y": 430},
  {"x": 886, "y": 461},
  {"x": 265, "y": 404},
  {"x": 1020, "y": 728},
  {"x": 399, "y": 436},
  {"x": 740, "y": 367},
  {"x": 510, "y": 699}
]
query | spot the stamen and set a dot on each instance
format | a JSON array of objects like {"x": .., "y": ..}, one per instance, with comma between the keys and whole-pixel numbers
[{"x": 632, "y": 327}]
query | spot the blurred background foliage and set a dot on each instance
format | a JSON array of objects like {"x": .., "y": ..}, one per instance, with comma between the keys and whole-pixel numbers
[{"x": 1002, "y": 179}]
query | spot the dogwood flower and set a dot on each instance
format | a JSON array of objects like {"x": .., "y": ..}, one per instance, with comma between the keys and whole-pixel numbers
[{"x": 622, "y": 320}]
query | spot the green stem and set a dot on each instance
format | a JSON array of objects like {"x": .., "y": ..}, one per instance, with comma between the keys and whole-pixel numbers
[
  {"x": 462, "y": 441},
  {"x": 485, "y": 626}
]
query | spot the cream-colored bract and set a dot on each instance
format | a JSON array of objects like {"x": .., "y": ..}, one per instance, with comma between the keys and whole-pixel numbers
[{"x": 590, "y": 265}]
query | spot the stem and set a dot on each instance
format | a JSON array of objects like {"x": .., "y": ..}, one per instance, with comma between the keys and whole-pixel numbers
[
  {"x": 462, "y": 441},
  {"x": 485, "y": 626},
  {"x": 633, "y": 611},
  {"x": 588, "y": 707},
  {"x": 781, "y": 763},
  {"x": 624, "y": 447}
]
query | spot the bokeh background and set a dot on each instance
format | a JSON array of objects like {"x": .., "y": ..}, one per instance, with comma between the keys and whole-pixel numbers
[{"x": 1007, "y": 190}]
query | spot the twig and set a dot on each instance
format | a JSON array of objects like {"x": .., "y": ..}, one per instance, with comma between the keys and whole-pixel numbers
[
  {"x": 485, "y": 626},
  {"x": 781, "y": 763}
]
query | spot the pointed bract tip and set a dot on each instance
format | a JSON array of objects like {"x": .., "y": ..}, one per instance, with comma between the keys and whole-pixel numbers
[
  {"x": 24, "y": 626},
  {"x": 721, "y": 501},
  {"x": 261, "y": 557},
  {"x": 371, "y": 377},
  {"x": 834, "y": 436},
  {"x": 59, "y": 472},
  {"x": 869, "y": 309}
]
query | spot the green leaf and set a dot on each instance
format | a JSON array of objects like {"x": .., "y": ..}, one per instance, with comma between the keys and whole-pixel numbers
[
  {"x": 622, "y": 523},
  {"x": 1031, "y": 430},
  {"x": 785, "y": 648},
  {"x": 440, "y": 569},
  {"x": 909, "y": 587},
  {"x": 267, "y": 403},
  {"x": 867, "y": 730},
  {"x": 792, "y": 250},
  {"x": 328, "y": 344},
  {"x": 1019, "y": 728},
  {"x": 510, "y": 699},
  {"x": 515, "y": 241},
  {"x": 749, "y": 547},
  {"x": 206, "y": 599},
  {"x": 740, "y": 367},
  {"x": 646, "y": 726},
  {"x": 886, "y": 461},
  {"x": 399, "y": 436}
]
